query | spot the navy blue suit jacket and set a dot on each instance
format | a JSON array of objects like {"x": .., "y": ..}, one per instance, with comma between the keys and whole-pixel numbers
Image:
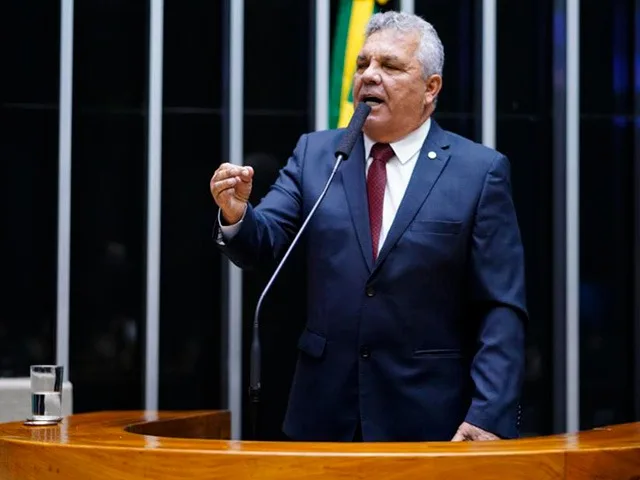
[{"x": 432, "y": 333}]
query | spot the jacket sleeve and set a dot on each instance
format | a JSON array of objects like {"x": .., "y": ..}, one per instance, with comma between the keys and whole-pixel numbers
[
  {"x": 267, "y": 230},
  {"x": 498, "y": 294}
]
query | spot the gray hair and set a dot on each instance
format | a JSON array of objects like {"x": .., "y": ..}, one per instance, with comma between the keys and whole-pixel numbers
[{"x": 430, "y": 50}]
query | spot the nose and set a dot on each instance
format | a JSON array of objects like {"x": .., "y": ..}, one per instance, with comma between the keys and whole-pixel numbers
[{"x": 371, "y": 74}]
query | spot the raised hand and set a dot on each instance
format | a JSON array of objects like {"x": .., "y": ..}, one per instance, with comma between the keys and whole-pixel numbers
[{"x": 230, "y": 187}]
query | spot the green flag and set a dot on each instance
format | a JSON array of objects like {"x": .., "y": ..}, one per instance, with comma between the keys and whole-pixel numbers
[{"x": 353, "y": 16}]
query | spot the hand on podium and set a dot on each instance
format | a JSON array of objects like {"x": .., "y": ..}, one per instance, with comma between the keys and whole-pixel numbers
[{"x": 468, "y": 432}]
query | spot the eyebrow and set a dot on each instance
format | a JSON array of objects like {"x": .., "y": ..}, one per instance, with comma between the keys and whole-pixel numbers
[
  {"x": 385, "y": 58},
  {"x": 392, "y": 58}
]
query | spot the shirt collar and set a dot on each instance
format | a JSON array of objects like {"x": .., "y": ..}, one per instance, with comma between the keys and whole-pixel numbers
[{"x": 406, "y": 147}]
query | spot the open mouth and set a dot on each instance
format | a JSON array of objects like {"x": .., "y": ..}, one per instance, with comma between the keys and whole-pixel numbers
[{"x": 372, "y": 101}]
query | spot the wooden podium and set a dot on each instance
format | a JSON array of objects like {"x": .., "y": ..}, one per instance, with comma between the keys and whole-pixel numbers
[{"x": 193, "y": 445}]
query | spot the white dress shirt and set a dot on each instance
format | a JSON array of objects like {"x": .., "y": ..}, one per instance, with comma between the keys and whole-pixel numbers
[{"x": 399, "y": 171}]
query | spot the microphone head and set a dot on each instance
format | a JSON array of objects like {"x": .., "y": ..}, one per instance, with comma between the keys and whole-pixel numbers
[{"x": 352, "y": 132}]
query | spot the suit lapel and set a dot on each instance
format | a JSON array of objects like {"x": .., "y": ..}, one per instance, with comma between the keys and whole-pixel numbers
[
  {"x": 424, "y": 176},
  {"x": 354, "y": 183}
]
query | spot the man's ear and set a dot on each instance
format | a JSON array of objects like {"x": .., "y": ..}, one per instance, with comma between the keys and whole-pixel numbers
[{"x": 434, "y": 85}]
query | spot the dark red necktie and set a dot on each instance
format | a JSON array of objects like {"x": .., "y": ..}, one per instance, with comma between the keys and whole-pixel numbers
[{"x": 376, "y": 183}]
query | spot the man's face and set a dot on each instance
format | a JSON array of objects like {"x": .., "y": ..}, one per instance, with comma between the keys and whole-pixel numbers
[{"x": 390, "y": 79}]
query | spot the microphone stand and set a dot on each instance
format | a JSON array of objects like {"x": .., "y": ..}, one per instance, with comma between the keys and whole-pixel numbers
[
  {"x": 342, "y": 153},
  {"x": 254, "y": 376}
]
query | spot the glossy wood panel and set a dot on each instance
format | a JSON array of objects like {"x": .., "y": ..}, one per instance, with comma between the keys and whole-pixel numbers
[{"x": 181, "y": 445}]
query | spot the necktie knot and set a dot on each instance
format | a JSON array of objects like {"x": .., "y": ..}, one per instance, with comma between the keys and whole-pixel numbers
[{"x": 381, "y": 152}]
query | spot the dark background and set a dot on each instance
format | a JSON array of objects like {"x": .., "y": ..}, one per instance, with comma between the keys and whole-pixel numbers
[{"x": 109, "y": 188}]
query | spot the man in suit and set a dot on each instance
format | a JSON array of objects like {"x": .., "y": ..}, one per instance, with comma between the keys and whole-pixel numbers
[{"x": 416, "y": 297}]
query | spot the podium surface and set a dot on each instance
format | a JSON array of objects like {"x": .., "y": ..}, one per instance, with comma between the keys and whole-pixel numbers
[{"x": 194, "y": 444}]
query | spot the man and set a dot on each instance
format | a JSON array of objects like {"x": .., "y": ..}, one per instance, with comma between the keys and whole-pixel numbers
[{"x": 416, "y": 303}]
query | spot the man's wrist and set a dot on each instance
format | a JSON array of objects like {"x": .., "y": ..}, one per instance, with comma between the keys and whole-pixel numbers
[
  {"x": 226, "y": 220},
  {"x": 229, "y": 231}
]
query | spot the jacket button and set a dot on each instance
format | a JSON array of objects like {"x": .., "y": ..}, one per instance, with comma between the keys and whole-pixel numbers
[
  {"x": 365, "y": 352},
  {"x": 370, "y": 291}
]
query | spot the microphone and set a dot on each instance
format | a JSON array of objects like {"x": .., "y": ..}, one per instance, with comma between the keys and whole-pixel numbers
[{"x": 343, "y": 151}]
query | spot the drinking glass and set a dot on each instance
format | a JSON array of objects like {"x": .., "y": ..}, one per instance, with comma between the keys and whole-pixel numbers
[{"x": 46, "y": 394}]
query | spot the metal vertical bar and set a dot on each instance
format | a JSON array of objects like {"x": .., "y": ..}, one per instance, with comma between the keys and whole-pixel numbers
[
  {"x": 322, "y": 49},
  {"x": 64, "y": 184},
  {"x": 489, "y": 34},
  {"x": 559, "y": 215},
  {"x": 636, "y": 187},
  {"x": 573, "y": 215},
  {"x": 154, "y": 197},
  {"x": 407, "y": 6},
  {"x": 224, "y": 266},
  {"x": 234, "y": 274}
]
